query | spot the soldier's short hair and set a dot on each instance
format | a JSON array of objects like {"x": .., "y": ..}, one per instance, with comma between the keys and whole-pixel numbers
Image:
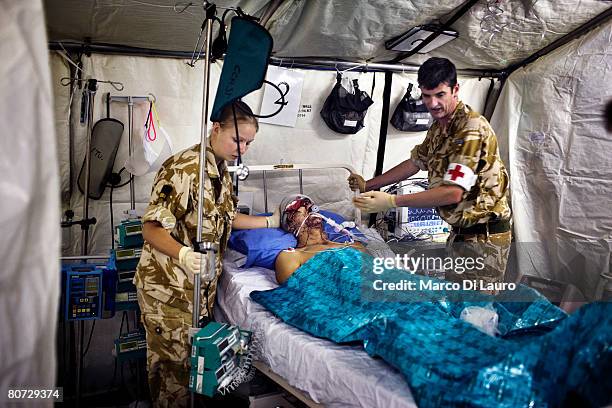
[
  {"x": 608, "y": 116},
  {"x": 436, "y": 71},
  {"x": 244, "y": 114}
]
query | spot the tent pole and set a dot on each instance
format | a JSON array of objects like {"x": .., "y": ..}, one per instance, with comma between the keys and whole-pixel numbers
[
  {"x": 296, "y": 62},
  {"x": 382, "y": 136},
  {"x": 130, "y": 132},
  {"x": 92, "y": 87}
]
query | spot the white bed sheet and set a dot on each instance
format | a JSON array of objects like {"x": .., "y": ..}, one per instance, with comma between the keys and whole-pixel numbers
[{"x": 331, "y": 374}]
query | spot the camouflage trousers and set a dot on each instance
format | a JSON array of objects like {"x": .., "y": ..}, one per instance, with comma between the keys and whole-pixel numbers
[
  {"x": 490, "y": 252},
  {"x": 168, "y": 351}
]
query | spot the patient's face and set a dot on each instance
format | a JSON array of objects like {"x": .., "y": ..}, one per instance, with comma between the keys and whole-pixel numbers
[{"x": 296, "y": 219}]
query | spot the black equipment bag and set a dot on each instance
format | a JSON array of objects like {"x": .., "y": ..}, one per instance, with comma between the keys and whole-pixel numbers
[
  {"x": 105, "y": 138},
  {"x": 344, "y": 112},
  {"x": 411, "y": 115}
]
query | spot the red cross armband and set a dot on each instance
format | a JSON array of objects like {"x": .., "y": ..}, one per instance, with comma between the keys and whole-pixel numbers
[{"x": 461, "y": 175}]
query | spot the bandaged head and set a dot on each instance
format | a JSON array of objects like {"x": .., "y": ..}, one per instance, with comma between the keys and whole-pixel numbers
[{"x": 290, "y": 205}]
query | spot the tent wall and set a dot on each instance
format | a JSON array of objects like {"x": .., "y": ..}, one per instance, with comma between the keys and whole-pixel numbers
[
  {"x": 29, "y": 204},
  {"x": 549, "y": 119},
  {"x": 178, "y": 89},
  {"x": 399, "y": 144}
]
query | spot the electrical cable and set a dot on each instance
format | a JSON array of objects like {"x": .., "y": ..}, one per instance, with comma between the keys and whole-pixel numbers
[
  {"x": 208, "y": 311},
  {"x": 112, "y": 224},
  {"x": 123, "y": 316},
  {"x": 237, "y": 133},
  {"x": 89, "y": 340},
  {"x": 247, "y": 371},
  {"x": 127, "y": 182}
]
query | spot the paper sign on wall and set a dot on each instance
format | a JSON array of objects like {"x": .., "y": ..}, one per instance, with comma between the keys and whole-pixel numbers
[{"x": 290, "y": 84}]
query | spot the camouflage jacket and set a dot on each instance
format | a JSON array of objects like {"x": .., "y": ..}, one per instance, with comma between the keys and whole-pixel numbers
[
  {"x": 466, "y": 154},
  {"x": 176, "y": 209}
]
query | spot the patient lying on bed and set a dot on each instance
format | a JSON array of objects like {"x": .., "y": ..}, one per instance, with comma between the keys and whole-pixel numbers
[
  {"x": 539, "y": 356},
  {"x": 299, "y": 216}
]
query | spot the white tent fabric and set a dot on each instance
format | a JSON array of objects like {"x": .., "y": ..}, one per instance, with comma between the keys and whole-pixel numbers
[
  {"x": 29, "y": 207},
  {"x": 547, "y": 119},
  {"x": 550, "y": 119},
  {"x": 178, "y": 89},
  {"x": 493, "y": 34},
  {"x": 399, "y": 144}
]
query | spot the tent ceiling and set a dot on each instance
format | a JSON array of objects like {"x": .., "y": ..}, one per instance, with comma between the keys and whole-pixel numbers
[{"x": 493, "y": 34}]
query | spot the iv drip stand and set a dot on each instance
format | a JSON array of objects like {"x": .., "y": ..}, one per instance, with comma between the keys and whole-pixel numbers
[
  {"x": 92, "y": 87},
  {"x": 206, "y": 248}
]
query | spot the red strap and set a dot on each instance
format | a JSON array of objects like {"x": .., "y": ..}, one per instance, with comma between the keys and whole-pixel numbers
[{"x": 151, "y": 125}]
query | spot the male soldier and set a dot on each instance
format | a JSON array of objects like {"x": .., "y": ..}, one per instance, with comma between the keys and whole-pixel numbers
[{"x": 468, "y": 182}]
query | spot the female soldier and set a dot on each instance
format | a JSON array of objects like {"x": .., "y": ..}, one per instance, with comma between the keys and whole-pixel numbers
[{"x": 165, "y": 273}]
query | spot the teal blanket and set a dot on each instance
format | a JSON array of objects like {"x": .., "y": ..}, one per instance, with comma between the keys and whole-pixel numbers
[{"x": 541, "y": 358}]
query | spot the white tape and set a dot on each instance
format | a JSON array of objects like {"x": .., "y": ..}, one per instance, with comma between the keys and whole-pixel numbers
[{"x": 200, "y": 365}]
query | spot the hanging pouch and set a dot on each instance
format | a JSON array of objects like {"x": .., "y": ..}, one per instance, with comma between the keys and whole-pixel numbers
[
  {"x": 105, "y": 138},
  {"x": 344, "y": 112},
  {"x": 411, "y": 115},
  {"x": 154, "y": 149}
]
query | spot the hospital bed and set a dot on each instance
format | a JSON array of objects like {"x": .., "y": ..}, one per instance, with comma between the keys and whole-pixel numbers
[
  {"x": 317, "y": 371},
  {"x": 327, "y": 373}
]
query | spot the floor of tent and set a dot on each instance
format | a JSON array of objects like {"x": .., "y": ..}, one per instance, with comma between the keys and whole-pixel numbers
[{"x": 129, "y": 394}]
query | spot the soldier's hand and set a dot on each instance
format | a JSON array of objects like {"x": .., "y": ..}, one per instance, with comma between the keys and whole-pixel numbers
[
  {"x": 356, "y": 182},
  {"x": 374, "y": 201},
  {"x": 190, "y": 260}
]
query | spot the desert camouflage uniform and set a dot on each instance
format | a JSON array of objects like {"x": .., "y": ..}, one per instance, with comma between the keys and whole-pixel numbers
[
  {"x": 165, "y": 293},
  {"x": 470, "y": 141}
]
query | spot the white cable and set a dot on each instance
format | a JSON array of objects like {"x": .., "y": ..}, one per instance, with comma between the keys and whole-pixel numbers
[
  {"x": 365, "y": 64},
  {"x": 67, "y": 58},
  {"x": 246, "y": 370}
]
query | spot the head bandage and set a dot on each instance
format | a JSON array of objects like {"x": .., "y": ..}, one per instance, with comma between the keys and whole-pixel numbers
[{"x": 291, "y": 204}]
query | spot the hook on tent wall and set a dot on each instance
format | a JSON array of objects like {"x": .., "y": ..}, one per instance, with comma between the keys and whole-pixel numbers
[{"x": 65, "y": 81}]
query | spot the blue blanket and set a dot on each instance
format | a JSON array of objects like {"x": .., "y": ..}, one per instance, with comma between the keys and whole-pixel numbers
[{"x": 541, "y": 358}]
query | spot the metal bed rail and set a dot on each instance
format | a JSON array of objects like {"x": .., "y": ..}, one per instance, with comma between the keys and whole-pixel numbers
[{"x": 265, "y": 168}]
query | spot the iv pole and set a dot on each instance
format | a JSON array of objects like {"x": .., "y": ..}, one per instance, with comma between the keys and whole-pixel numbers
[
  {"x": 203, "y": 247},
  {"x": 131, "y": 100},
  {"x": 92, "y": 87}
]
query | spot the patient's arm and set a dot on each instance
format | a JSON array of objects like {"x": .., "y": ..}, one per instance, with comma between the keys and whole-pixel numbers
[{"x": 286, "y": 263}]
